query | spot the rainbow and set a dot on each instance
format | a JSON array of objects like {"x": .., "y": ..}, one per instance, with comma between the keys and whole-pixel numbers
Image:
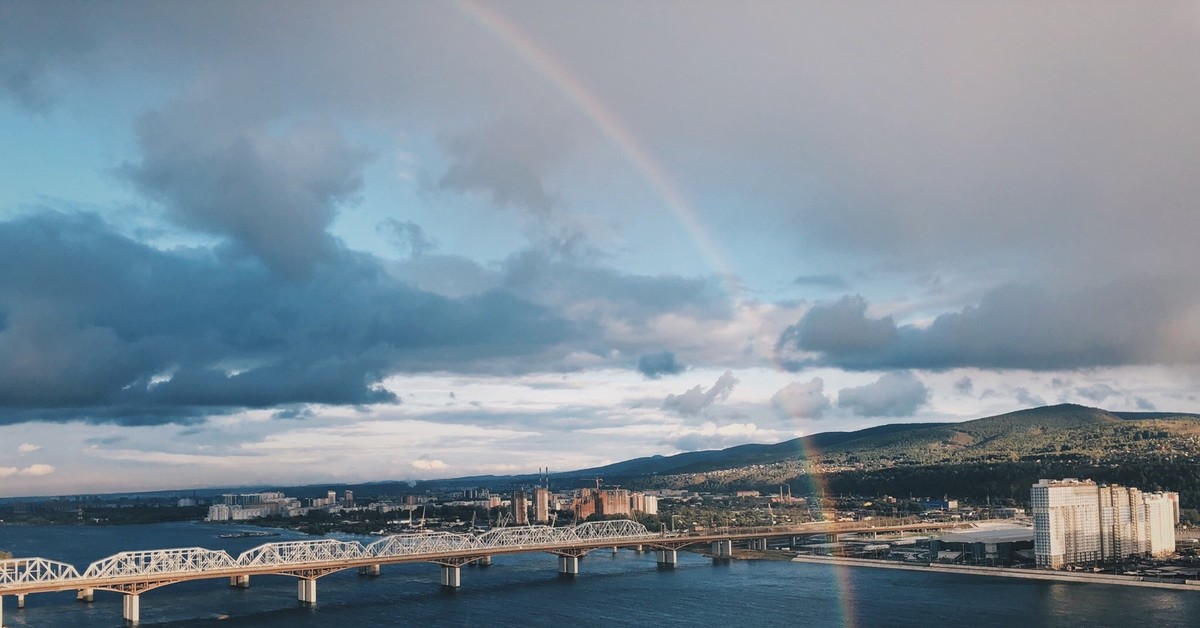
[
  {"x": 554, "y": 71},
  {"x": 507, "y": 33}
]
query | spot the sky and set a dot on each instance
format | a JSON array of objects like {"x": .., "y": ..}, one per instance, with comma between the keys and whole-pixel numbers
[{"x": 266, "y": 242}]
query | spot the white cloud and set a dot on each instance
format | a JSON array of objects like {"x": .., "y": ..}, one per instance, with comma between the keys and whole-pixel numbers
[
  {"x": 697, "y": 399},
  {"x": 31, "y": 470},
  {"x": 28, "y": 448},
  {"x": 428, "y": 464},
  {"x": 37, "y": 469}
]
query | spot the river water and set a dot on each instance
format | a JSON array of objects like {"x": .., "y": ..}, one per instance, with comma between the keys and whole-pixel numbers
[{"x": 623, "y": 589}]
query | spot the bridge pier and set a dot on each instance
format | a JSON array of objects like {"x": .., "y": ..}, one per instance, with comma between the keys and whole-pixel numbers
[
  {"x": 484, "y": 561},
  {"x": 1, "y": 611},
  {"x": 132, "y": 608},
  {"x": 86, "y": 595},
  {"x": 667, "y": 557},
  {"x": 722, "y": 549},
  {"x": 568, "y": 565},
  {"x": 451, "y": 576},
  {"x": 614, "y": 550},
  {"x": 639, "y": 549},
  {"x": 20, "y": 603},
  {"x": 306, "y": 590},
  {"x": 369, "y": 570},
  {"x": 240, "y": 582}
]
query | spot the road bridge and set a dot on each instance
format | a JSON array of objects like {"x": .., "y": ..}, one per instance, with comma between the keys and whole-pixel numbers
[{"x": 135, "y": 572}]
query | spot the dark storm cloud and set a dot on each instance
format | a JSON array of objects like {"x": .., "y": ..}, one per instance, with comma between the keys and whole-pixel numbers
[
  {"x": 1124, "y": 322},
  {"x": 104, "y": 328},
  {"x": 655, "y": 365},
  {"x": 842, "y": 328},
  {"x": 893, "y": 394},
  {"x": 274, "y": 194}
]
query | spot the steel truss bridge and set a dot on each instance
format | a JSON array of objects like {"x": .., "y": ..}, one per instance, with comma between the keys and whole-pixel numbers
[{"x": 133, "y": 573}]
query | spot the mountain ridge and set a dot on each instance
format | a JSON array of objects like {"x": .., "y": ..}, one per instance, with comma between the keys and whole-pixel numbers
[{"x": 1012, "y": 435}]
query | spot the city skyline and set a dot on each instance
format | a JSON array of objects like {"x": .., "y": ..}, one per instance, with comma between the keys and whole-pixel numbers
[{"x": 253, "y": 244}]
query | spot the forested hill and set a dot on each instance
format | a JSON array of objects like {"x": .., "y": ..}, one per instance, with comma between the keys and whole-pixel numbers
[{"x": 1061, "y": 432}]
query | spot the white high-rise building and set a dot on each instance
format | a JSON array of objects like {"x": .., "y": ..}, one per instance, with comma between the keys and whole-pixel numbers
[
  {"x": 1066, "y": 522},
  {"x": 1122, "y": 522},
  {"x": 1161, "y": 517},
  {"x": 1076, "y": 521}
]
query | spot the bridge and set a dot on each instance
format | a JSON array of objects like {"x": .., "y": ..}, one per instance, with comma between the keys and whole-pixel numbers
[{"x": 134, "y": 573}]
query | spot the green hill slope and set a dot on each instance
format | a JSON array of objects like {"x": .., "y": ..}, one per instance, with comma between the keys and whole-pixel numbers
[{"x": 1063, "y": 432}]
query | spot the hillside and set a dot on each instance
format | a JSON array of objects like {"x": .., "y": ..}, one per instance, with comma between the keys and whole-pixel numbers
[{"x": 1062, "y": 432}]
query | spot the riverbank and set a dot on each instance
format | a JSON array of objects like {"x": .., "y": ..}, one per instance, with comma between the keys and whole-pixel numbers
[{"x": 1004, "y": 572}]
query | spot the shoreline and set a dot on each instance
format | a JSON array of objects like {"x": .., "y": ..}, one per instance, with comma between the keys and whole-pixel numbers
[{"x": 1004, "y": 572}]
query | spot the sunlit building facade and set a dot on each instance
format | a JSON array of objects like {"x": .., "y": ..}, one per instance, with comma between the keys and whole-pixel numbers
[
  {"x": 1066, "y": 522},
  {"x": 541, "y": 505},
  {"x": 1077, "y": 522}
]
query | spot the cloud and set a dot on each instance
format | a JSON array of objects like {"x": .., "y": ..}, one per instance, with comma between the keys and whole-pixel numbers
[
  {"x": 33, "y": 470},
  {"x": 37, "y": 470},
  {"x": 507, "y": 160},
  {"x": 841, "y": 329},
  {"x": 1027, "y": 398},
  {"x": 964, "y": 386},
  {"x": 831, "y": 282},
  {"x": 407, "y": 236},
  {"x": 1097, "y": 392},
  {"x": 978, "y": 144},
  {"x": 696, "y": 399},
  {"x": 799, "y": 400},
  {"x": 1013, "y": 327},
  {"x": 893, "y": 394},
  {"x": 1145, "y": 405},
  {"x": 655, "y": 365},
  {"x": 425, "y": 463},
  {"x": 102, "y": 327},
  {"x": 713, "y": 436},
  {"x": 274, "y": 194},
  {"x": 27, "y": 448}
]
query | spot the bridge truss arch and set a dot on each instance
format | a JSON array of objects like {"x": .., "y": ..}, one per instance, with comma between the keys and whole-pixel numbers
[{"x": 26, "y": 571}]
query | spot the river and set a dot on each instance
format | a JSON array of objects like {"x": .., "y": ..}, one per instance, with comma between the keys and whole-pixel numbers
[{"x": 623, "y": 589}]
